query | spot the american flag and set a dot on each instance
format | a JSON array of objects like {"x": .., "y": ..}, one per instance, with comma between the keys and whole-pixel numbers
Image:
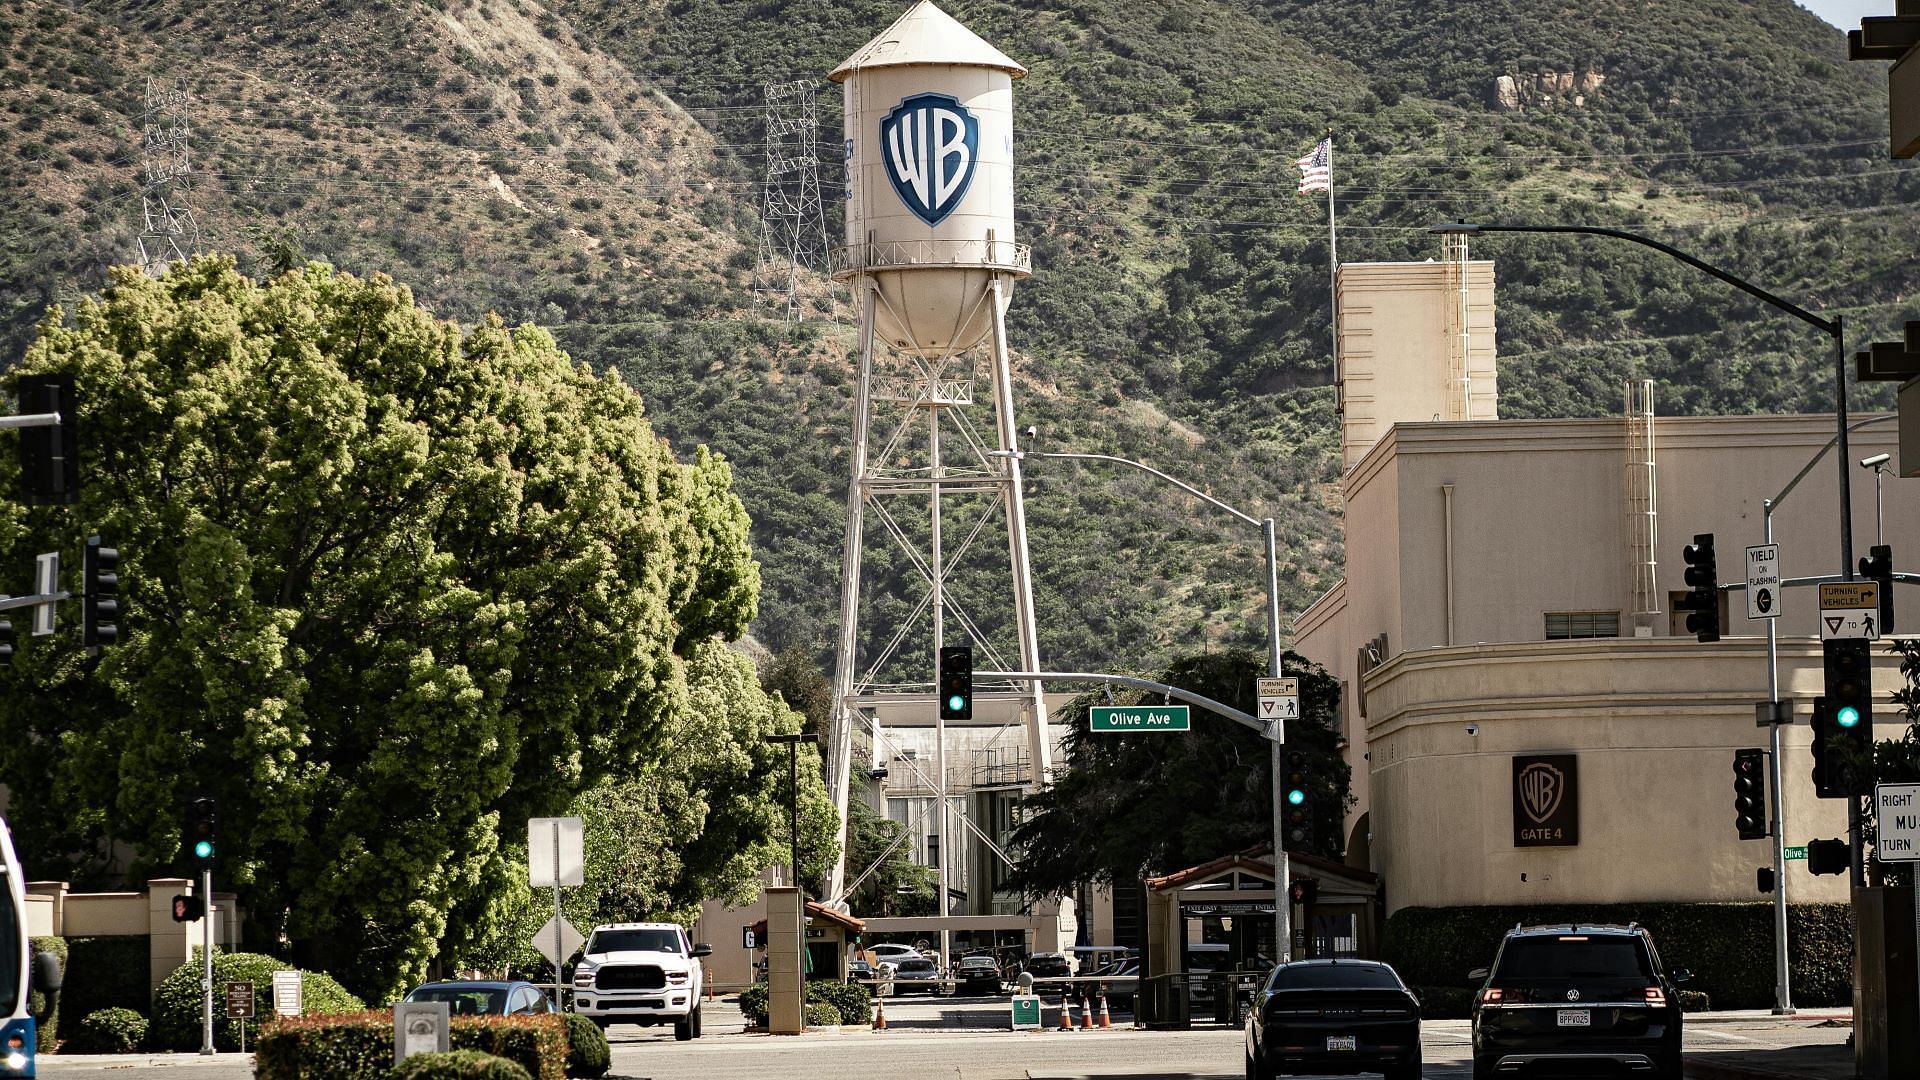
[{"x": 1316, "y": 169}]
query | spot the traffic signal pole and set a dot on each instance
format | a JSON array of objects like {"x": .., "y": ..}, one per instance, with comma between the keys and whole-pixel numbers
[
  {"x": 1782, "y": 974},
  {"x": 206, "y": 960},
  {"x": 1282, "y": 870}
]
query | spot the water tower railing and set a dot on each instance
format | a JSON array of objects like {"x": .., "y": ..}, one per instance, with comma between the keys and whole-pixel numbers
[{"x": 907, "y": 254}]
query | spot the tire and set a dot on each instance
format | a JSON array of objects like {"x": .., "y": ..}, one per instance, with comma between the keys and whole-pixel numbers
[
  {"x": 693, "y": 1021},
  {"x": 601, "y": 1022},
  {"x": 1482, "y": 1069},
  {"x": 1409, "y": 1071},
  {"x": 1671, "y": 1067},
  {"x": 683, "y": 1029},
  {"x": 1257, "y": 1069}
]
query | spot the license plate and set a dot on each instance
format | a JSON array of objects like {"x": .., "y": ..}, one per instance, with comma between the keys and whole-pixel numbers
[
  {"x": 1575, "y": 1018},
  {"x": 1342, "y": 1042}
]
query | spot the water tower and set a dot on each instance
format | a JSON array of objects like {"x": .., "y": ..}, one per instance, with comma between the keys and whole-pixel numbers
[{"x": 931, "y": 257}]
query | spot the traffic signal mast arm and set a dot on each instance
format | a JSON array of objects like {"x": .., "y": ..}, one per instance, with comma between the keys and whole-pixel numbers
[
  {"x": 15, "y": 603},
  {"x": 1187, "y": 696}
]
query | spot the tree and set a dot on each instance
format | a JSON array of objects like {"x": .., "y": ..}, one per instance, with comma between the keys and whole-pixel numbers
[
  {"x": 389, "y": 588},
  {"x": 1135, "y": 805}
]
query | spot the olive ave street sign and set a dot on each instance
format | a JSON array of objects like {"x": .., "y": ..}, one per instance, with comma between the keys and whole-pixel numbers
[
  {"x": 1849, "y": 609},
  {"x": 1139, "y": 718},
  {"x": 1763, "y": 581},
  {"x": 1791, "y": 853},
  {"x": 1897, "y": 809}
]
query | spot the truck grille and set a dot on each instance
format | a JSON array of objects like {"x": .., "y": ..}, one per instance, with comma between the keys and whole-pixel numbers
[{"x": 634, "y": 977}]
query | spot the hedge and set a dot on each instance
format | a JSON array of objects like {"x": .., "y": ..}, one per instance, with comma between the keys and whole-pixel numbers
[
  {"x": 458, "y": 1065},
  {"x": 821, "y": 1014},
  {"x": 588, "y": 1054},
  {"x": 176, "y": 1005},
  {"x": 48, "y": 1036},
  {"x": 107, "y": 973},
  {"x": 360, "y": 1045},
  {"x": 108, "y": 1031},
  {"x": 852, "y": 1001},
  {"x": 1728, "y": 947}
]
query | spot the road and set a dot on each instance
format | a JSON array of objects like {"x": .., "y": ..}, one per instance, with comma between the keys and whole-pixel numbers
[{"x": 964, "y": 1039}]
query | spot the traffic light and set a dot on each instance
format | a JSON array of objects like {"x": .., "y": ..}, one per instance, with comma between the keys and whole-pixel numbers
[
  {"x": 49, "y": 456},
  {"x": 1843, "y": 720},
  {"x": 1877, "y": 565},
  {"x": 956, "y": 682},
  {"x": 1763, "y": 879},
  {"x": 1750, "y": 793},
  {"x": 1304, "y": 891},
  {"x": 1828, "y": 857},
  {"x": 1298, "y": 796},
  {"x": 6, "y": 640},
  {"x": 188, "y": 908},
  {"x": 1703, "y": 577},
  {"x": 203, "y": 827},
  {"x": 101, "y": 584}
]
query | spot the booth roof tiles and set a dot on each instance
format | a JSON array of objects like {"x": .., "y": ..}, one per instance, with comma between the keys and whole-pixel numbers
[{"x": 1256, "y": 860}]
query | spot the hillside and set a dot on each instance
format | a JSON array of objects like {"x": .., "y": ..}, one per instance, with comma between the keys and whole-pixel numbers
[{"x": 594, "y": 166}]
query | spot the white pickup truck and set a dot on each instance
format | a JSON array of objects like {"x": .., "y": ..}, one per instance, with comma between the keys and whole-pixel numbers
[{"x": 641, "y": 973}]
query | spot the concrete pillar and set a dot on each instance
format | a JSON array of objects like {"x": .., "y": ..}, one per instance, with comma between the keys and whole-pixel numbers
[
  {"x": 55, "y": 903},
  {"x": 786, "y": 973}
]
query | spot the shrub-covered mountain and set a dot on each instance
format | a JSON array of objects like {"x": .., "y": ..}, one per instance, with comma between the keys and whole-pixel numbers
[{"x": 594, "y": 165}]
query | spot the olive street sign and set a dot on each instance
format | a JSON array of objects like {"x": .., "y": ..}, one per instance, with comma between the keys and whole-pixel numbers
[{"x": 1139, "y": 718}]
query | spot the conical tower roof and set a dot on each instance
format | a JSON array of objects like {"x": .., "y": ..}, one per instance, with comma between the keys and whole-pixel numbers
[{"x": 925, "y": 35}]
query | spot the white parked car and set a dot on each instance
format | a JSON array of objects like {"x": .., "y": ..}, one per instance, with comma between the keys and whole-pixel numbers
[{"x": 641, "y": 973}]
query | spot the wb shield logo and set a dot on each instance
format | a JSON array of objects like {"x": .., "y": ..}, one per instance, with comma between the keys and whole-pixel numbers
[{"x": 930, "y": 143}]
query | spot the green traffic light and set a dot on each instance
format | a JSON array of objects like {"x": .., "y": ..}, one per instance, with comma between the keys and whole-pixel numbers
[
  {"x": 203, "y": 849},
  {"x": 955, "y": 703},
  {"x": 1848, "y": 717},
  {"x": 1295, "y": 797}
]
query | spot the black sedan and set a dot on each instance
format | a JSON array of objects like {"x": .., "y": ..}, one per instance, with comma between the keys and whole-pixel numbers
[{"x": 1334, "y": 1016}]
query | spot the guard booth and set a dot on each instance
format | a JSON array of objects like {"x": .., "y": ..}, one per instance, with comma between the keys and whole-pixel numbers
[
  {"x": 830, "y": 936},
  {"x": 1210, "y": 931}
]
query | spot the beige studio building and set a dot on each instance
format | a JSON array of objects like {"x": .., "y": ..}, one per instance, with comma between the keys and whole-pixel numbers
[{"x": 1527, "y": 719}]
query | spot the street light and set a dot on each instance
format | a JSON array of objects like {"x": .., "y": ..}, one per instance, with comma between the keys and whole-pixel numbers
[
  {"x": 1878, "y": 463},
  {"x": 1283, "y": 941},
  {"x": 793, "y": 781}
]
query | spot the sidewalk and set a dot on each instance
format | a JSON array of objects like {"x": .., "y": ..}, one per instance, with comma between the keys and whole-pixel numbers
[{"x": 1833, "y": 1062}]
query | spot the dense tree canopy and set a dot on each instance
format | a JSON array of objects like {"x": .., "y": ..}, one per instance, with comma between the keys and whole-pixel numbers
[
  {"x": 389, "y": 588},
  {"x": 1135, "y": 805}
]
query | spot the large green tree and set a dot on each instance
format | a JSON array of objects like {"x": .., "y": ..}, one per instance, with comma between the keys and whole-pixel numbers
[
  {"x": 390, "y": 587},
  {"x": 1135, "y": 805}
]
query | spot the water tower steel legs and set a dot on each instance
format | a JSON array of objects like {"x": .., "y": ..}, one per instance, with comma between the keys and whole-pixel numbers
[
  {"x": 840, "y": 738},
  {"x": 1039, "y": 753}
]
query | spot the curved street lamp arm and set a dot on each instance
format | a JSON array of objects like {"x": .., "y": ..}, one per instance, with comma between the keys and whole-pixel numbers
[{"x": 1188, "y": 488}]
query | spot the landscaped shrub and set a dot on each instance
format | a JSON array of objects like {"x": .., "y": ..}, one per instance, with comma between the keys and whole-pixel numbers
[
  {"x": 458, "y": 1065},
  {"x": 753, "y": 1004},
  {"x": 588, "y": 1054},
  {"x": 1728, "y": 947},
  {"x": 537, "y": 1044},
  {"x": 176, "y": 1005},
  {"x": 821, "y": 1014},
  {"x": 108, "y": 1031},
  {"x": 106, "y": 973},
  {"x": 361, "y": 1044},
  {"x": 49, "y": 1030},
  {"x": 851, "y": 1000}
]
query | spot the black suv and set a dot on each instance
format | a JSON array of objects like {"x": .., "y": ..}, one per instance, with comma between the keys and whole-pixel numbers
[{"x": 1568, "y": 999}]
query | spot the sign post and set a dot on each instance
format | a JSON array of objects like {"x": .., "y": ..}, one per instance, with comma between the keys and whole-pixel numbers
[
  {"x": 240, "y": 1007},
  {"x": 1279, "y": 703},
  {"x": 556, "y": 856},
  {"x": 1139, "y": 718},
  {"x": 1896, "y": 807},
  {"x": 1763, "y": 581}
]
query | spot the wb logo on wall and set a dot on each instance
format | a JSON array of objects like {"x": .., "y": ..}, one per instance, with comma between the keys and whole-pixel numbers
[{"x": 930, "y": 143}]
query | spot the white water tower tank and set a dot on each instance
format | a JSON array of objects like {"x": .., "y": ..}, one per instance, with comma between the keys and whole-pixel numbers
[{"x": 929, "y": 150}]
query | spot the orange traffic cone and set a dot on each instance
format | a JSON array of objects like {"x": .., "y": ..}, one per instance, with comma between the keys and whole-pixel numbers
[
  {"x": 1066, "y": 1012},
  {"x": 879, "y": 1014},
  {"x": 1106, "y": 1019},
  {"x": 1086, "y": 1014}
]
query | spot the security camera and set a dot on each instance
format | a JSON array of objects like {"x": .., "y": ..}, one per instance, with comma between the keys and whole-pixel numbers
[
  {"x": 1473, "y": 729},
  {"x": 1875, "y": 461}
]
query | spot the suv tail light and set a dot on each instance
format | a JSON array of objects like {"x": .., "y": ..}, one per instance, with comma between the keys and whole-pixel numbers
[
  {"x": 1490, "y": 996},
  {"x": 1656, "y": 997}
]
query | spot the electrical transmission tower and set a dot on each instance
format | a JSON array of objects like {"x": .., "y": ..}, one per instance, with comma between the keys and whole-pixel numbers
[
  {"x": 169, "y": 232},
  {"x": 793, "y": 224}
]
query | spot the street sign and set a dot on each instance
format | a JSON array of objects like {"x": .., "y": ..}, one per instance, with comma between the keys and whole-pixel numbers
[
  {"x": 1139, "y": 718},
  {"x": 1026, "y": 1011},
  {"x": 570, "y": 940},
  {"x": 747, "y": 940},
  {"x": 1763, "y": 581},
  {"x": 1279, "y": 703},
  {"x": 239, "y": 1000},
  {"x": 1849, "y": 609},
  {"x": 556, "y": 851},
  {"x": 46, "y": 582},
  {"x": 1793, "y": 853},
  {"x": 286, "y": 993},
  {"x": 1897, "y": 808}
]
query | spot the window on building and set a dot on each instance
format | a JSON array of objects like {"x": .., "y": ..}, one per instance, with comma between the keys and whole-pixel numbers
[
  {"x": 1562, "y": 625},
  {"x": 933, "y": 849}
]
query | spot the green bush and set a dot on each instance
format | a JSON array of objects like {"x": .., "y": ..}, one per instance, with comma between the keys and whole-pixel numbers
[
  {"x": 48, "y": 1035},
  {"x": 176, "y": 1005},
  {"x": 537, "y": 1044},
  {"x": 851, "y": 1000},
  {"x": 458, "y": 1065},
  {"x": 588, "y": 1054},
  {"x": 1728, "y": 947},
  {"x": 106, "y": 973},
  {"x": 108, "y": 1031},
  {"x": 309, "y": 1047},
  {"x": 821, "y": 1014}
]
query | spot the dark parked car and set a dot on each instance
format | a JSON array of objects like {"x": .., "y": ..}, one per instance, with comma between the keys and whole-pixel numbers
[
  {"x": 1334, "y": 1016},
  {"x": 1577, "y": 999},
  {"x": 859, "y": 970},
  {"x": 977, "y": 973},
  {"x": 1047, "y": 965},
  {"x": 486, "y": 998},
  {"x": 916, "y": 975},
  {"x": 1125, "y": 973}
]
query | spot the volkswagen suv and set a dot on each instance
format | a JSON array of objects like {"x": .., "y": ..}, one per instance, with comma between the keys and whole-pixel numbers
[
  {"x": 641, "y": 973},
  {"x": 1567, "y": 999}
]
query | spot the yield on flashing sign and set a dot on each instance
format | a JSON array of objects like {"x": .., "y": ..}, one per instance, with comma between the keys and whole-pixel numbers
[{"x": 1139, "y": 718}]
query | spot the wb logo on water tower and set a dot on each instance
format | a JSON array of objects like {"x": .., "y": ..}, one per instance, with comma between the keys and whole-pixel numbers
[{"x": 931, "y": 143}]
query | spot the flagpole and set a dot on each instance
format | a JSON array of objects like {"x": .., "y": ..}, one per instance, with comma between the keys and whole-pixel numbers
[{"x": 1333, "y": 277}]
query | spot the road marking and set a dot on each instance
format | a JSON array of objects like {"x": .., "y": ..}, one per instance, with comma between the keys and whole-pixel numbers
[{"x": 1707, "y": 1033}]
